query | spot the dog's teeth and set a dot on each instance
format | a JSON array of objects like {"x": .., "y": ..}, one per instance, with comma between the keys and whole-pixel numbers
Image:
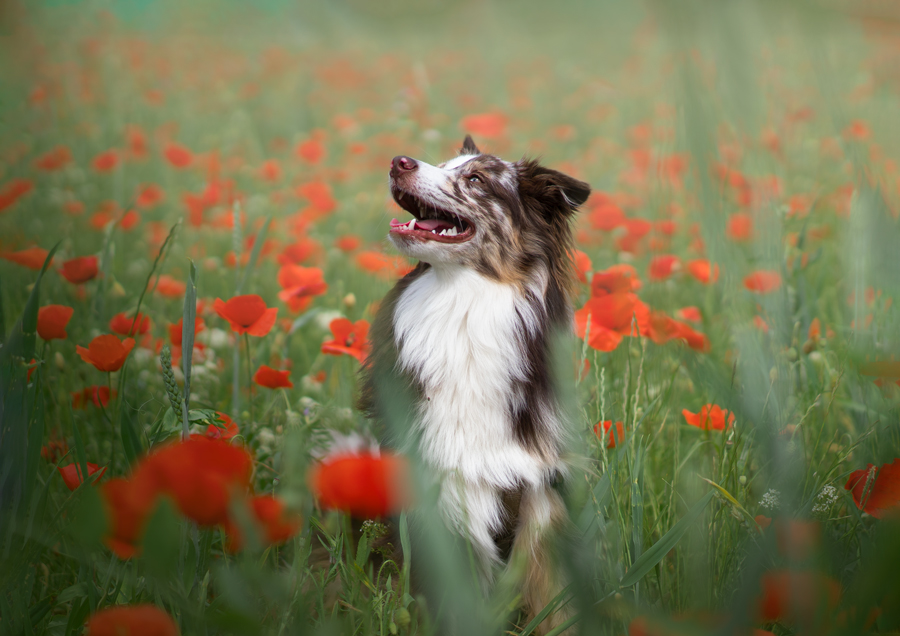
[
  {"x": 400, "y": 196},
  {"x": 434, "y": 231},
  {"x": 412, "y": 225},
  {"x": 443, "y": 232},
  {"x": 451, "y": 231}
]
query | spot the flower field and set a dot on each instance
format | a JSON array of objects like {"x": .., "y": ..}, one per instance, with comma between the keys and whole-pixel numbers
[{"x": 193, "y": 220}]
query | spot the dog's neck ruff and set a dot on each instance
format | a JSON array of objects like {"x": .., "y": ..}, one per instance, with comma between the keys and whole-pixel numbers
[{"x": 461, "y": 335}]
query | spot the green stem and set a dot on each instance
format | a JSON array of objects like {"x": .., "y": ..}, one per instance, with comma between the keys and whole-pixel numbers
[{"x": 249, "y": 377}]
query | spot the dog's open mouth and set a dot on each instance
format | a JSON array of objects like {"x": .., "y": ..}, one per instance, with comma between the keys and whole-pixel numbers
[{"x": 430, "y": 223}]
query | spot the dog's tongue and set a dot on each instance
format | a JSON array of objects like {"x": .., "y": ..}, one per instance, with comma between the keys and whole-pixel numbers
[{"x": 433, "y": 224}]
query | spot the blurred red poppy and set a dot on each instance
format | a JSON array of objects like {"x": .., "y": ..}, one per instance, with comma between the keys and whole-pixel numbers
[
  {"x": 12, "y": 191},
  {"x": 270, "y": 170},
  {"x": 740, "y": 227},
  {"x": 876, "y": 490},
  {"x": 797, "y": 539},
  {"x": 107, "y": 353},
  {"x": 763, "y": 521},
  {"x": 310, "y": 150},
  {"x": 32, "y": 258},
  {"x": 168, "y": 287},
  {"x": 485, "y": 125},
  {"x": 200, "y": 474},
  {"x": 612, "y": 433},
  {"x": 690, "y": 313},
  {"x": 661, "y": 328},
  {"x": 763, "y": 281},
  {"x": 127, "y": 505},
  {"x": 800, "y": 597},
  {"x": 129, "y": 324},
  {"x": 178, "y": 155},
  {"x": 606, "y": 216},
  {"x": 582, "y": 264},
  {"x": 247, "y": 314},
  {"x": 176, "y": 331},
  {"x": 129, "y": 220},
  {"x": 710, "y": 417},
  {"x": 612, "y": 317},
  {"x": 150, "y": 196},
  {"x": 663, "y": 266},
  {"x": 71, "y": 474},
  {"x": 319, "y": 195},
  {"x": 54, "y": 159},
  {"x": 302, "y": 250},
  {"x": 99, "y": 395},
  {"x": 703, "y": 270},
  {"x": 52, "y": 321},
  {"x": 230, "y": 431},
  {"x": 106, "y": 161},
  {"x": 366, "y": 485},
  {"x": 387, "y": 267},
  {"x": 614, "y": 280},
  {"x": 80, "y": 269},
  {"x": 272, "y": 378},
  {"x": 348, "y": 242},
  {"x": 349, "y": 338},
  {"x": 131, "y": 620},
  {"x": 269, "y": 513},
  {"x": 299, "y": 285}
]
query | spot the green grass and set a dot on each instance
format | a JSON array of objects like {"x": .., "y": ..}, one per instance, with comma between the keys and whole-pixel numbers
[{"x": 663, "y": 524}]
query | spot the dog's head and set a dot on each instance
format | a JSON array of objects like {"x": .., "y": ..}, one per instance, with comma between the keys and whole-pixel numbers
[{"x": 480, "y": 211}]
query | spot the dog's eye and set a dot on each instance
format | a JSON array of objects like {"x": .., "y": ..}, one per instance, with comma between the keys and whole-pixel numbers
[{"x": 474, "y": 178}]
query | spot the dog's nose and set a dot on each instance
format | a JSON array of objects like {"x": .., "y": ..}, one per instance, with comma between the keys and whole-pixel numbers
[{"x": 401, "y": 164}]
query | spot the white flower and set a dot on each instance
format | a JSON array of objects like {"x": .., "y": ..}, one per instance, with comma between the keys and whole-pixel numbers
[
  {"x": 771, "y": 500},
  {"x": 825, "y": 499}
]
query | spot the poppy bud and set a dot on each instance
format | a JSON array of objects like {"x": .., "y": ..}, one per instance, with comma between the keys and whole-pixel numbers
[
  {"x": 59, "y": 360},
  {"x": 117, "y": 290},
  {"x": 350, "y": 300}
]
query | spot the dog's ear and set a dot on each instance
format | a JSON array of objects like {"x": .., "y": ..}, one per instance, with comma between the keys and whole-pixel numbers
[
  {"x": 550, "y": 188},
  {"x": 469, "y": 147}
]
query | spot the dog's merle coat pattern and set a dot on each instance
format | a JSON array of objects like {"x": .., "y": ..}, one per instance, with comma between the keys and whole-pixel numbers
[{"x": 466, "y": 337}]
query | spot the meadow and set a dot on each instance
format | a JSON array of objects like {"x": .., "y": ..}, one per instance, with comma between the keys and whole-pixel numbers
[{"x": 193, "y": 220}]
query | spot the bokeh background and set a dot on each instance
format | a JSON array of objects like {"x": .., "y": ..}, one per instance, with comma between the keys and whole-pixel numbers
[{"x": 732, "y": 383}]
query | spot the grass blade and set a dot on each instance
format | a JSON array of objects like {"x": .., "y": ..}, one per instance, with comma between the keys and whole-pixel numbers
[
  {"x": 661, "y": 548},
  {"x": 254, "y": 255}
]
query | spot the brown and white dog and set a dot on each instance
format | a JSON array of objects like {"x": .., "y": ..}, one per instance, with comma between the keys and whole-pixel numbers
[{"x": 467, "y": 334}]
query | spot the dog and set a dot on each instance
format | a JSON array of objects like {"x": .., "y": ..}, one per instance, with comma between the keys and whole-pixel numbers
[{"x": 467, "y": 336}]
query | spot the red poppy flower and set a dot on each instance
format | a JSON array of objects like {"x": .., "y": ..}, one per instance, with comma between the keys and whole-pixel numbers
[
  {"x": 311, "y": 150},
  {"x": 200, "y": 474},
  {"x": 126, "y": 325},
  {"x": 54, "y": 159},
  {"x": 168, "y": 287},
  {"x": 270, "y": 170},
  {"x": 178, "y": 155},
  {"x": 762, "y": 521},
  {"x": 365, "y": 485},
  {"x": 690, "y": 313},
  {"x": 299, "y": 285},
  {"x": 740, "y": 227},
  {"x": 387, "y": 267},
  {"x": 349, "y": 338},
  {"x": 797, "y": 597},
  {"x": 710, "y": 417},
  {"x": 99, "y": 395},
  {"x": 299, "y": 252},
  {"x": 272, "y": 378},
  {"x": 582, "y": 264},
  {"x": 797, "y": 539},
  {"x": 106, "y": 161},
  {"x": 32, "y": 258},
  {"x": 176, "y": 330},
  {"x": 12, "y": 191},
  {"x": 606, "y": 216},
  {"x": 150, "y": 196},
  {"x": 247, "y": 314},
  {"x": 129, "y": 220},
  {"x": 52, "y": 321},
  {"x": 230, "y": 431},
  {"x": 663, "y": 266},
  {"x": 611, "y": 317},
  {"x": 348, "y": 242},
  {"x": 54, "y": 449},
  {"x": 613, "y": 433},
  {"x": 80, "y": 270},
  {"x": 485, "y": 125},
  {"x": 876, "y": 490},
  {"x": 276, "y": 523},
  {"x": 106, "y": 353},
  {"x": 614, "y": 280},
  {"x": 763, "y": 281},
  {"x": 131, "y": 620},
  {"x": 703, "y": 270},
  {"x": 319, "y": 195},
  {"x": 71, "y": 474}
]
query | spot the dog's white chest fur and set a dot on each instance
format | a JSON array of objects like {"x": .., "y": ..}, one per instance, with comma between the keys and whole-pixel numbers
[{"x": 460, "y": 334}]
